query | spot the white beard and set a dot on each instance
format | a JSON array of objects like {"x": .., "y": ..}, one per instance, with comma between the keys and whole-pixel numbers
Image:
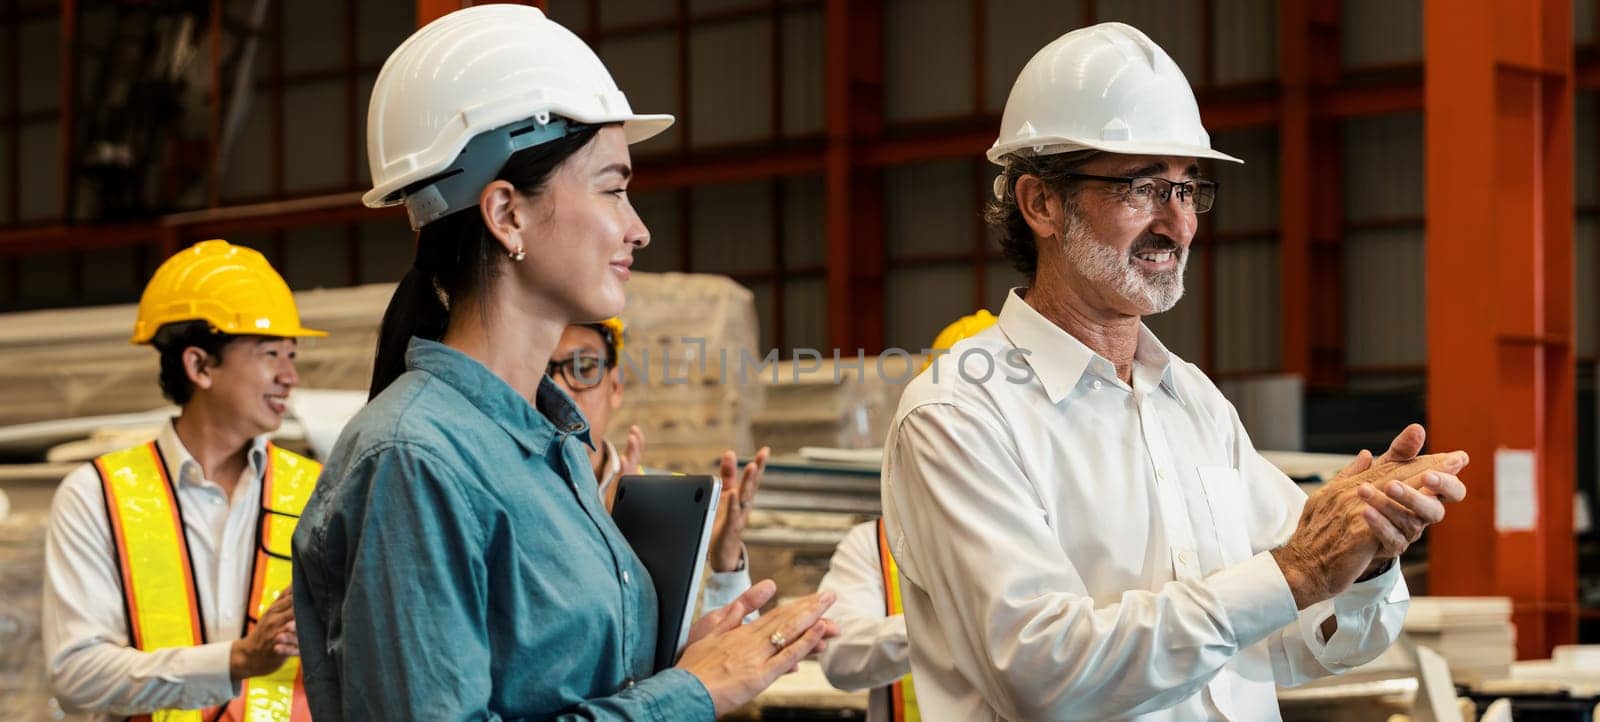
[{"x": 1103, "y": 266}]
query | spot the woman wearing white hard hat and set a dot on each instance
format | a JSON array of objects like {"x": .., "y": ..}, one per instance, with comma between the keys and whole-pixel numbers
[{"x": 456, "y": 562}]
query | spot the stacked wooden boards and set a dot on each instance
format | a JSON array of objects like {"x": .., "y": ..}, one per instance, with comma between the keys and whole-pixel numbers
[{"x": 65, "y": 364}]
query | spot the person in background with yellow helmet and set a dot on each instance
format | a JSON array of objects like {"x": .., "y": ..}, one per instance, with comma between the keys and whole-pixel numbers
[
  {"x": 871, "y": 651},
  {"x": 587, "y": 365},
  {"x": 964, "y": 327},
  {"x": 166, "y": 564}
]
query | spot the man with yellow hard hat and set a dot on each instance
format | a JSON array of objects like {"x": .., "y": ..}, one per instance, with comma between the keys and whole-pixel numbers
[
  {"x": 871, "y": 651},
  {"x": 167, "y": 564}
]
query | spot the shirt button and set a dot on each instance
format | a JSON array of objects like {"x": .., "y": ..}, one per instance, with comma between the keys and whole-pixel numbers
[
  {"x": 624, "y": 576},
  {"x": 1097, "y": 385},
  {"x": 1186, "y": 557},
  {"x": 627, "y": 683},
  {"x": 574, "y": 426},
  {"x": 1161, "y": 474}
]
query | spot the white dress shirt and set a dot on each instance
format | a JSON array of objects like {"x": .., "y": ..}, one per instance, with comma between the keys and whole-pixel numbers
[
  {"x": 1074, "y": 547},
  {"x": 870, "y": 651},
  {"x": 92, "y": 667}
]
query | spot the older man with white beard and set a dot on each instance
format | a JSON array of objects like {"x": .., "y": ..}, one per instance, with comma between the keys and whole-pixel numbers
[{"x": 1096, "y": 538}]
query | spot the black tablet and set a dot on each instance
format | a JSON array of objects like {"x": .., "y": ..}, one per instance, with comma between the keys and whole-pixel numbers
[{"x": 667, "y": 520}]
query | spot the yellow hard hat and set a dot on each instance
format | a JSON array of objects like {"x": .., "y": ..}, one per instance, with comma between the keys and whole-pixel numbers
[
  {"x": 613, "y": 333},
  {"x": 964, "y": 327},
  {"x": 233, "y": 288}
]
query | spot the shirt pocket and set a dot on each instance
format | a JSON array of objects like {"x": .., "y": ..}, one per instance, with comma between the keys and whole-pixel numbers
[{"x": 1225, "y": 495}]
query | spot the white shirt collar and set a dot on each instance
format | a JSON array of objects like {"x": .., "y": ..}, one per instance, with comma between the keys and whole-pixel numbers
[
  {"x": 186, "y": 470},
  {"x": 1060, "y": 360}
]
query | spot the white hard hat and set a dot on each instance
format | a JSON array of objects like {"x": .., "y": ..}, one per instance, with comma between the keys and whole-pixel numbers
[
  {"x": 1106, "y": 87},
  {"x": 502, "y": 77}
]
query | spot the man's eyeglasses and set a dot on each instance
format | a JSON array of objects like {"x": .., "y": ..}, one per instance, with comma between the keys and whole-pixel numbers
[
  {"x": 1144, "y": 193},
  {"x": 581, "y": 371}
]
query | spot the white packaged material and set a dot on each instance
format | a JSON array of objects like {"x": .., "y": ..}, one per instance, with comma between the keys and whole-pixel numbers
[{"x": 24, "y": 687}]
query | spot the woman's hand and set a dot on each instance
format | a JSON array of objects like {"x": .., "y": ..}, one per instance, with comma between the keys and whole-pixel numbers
[{"x": 736, "y": 662}]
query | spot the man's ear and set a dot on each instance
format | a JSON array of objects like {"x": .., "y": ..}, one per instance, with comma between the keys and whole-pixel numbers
[
  {"x": 1040, "y": 205},
  {"x": 197, "y": 366},
  {"x": 615, "y": 397}
]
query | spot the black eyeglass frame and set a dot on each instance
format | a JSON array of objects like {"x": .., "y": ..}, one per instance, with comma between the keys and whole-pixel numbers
[
  {"x": 575, "y": 379},
  {"x": 1193, "y": 194}
]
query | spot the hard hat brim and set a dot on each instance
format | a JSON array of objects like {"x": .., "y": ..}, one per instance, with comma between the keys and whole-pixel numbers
[
  {"x": 636, "y": 128},
  {"x": 1052, "y": 146},
  {"x": 641, "y": 128},
  {"x": 141, "y": 338}
]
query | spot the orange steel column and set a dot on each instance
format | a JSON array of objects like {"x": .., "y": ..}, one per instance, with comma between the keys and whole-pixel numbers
[
  {"x": 1498, "y": 128},
  {"x": 1310, "y": 192},
  {"x": 853, "y": 195}
]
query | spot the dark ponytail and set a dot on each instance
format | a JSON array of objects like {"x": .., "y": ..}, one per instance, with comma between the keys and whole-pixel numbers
[{"x": 456, "y": 259}]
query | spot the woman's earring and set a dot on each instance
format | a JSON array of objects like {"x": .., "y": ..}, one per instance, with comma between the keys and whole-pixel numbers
[{"x": 518, "y": 254}]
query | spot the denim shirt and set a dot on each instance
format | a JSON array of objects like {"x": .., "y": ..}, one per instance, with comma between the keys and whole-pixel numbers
[{"x": 455, "y": 563}]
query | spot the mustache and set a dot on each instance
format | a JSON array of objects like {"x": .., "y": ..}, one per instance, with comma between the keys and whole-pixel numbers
[{"x": 1155, "y": 242}]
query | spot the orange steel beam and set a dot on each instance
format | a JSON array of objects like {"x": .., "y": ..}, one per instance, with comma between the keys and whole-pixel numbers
[
  {"x": 171, "y": 232},
  {"x": 853, "y": 194},
  {"x": 889, "y": 146},
  {"x": 1361, "y": 102},
  {"x": 12, "y": 126},
  {"x": 1309, "y": 192},
  {"x": 68, "y": 59},
  {"x": 1499, "y": 169},
  {"x": 214, "y": 108}
]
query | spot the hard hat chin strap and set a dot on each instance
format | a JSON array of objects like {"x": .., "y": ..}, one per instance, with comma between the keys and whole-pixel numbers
[{"x": 460, "y": 185}]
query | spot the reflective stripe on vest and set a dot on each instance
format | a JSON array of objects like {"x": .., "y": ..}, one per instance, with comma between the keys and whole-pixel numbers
[
  {"x": 157, "y": 579},
  {"x": 902, "y": 695},
  {"x": 158, "y": 574}
]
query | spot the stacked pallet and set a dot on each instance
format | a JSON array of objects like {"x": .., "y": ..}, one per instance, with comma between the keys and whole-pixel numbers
[
  {"x": 1473, "y": 634},
  {"x": 832, "y": 404},
  {"x": 689, "y": 381},
  {"x": 71, "y": 363}
]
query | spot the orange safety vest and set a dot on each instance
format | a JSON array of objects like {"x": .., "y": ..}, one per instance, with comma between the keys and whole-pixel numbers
[
  {"x": 902, "y": 695},
  {"x": 158, "y": 588}
]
